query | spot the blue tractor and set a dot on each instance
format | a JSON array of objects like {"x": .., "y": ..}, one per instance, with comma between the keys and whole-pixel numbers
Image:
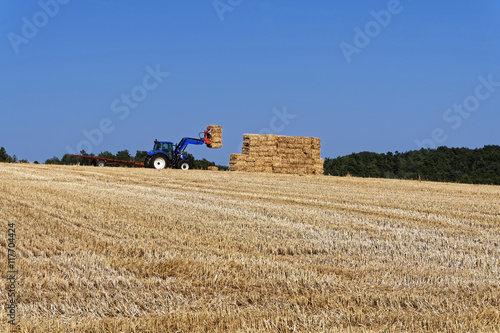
[{"x": 167, "y": 155}]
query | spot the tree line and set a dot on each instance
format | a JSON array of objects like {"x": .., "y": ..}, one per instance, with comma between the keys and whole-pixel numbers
[
  {"x": 460, "y": 165},
  {"x": 6, "y": 158},
  {"x": 122, "y": 155}
]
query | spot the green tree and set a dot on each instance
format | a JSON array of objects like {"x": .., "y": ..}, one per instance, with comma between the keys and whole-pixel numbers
[
  {"x": 106, "y": 154},
  {"x": 198, "y": 164},
  {"x": 123, "y": 155},
  {"x": 67, "y": 159},
  {"x": 140, "y": 155},
  {"x": 4, "y": 157},
  {"x": 53, "y": 160},
  {"x": 85, "y": 161}
]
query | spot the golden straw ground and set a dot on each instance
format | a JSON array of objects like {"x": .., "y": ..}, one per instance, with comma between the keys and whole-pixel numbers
[{"x": 122, "y": 249}]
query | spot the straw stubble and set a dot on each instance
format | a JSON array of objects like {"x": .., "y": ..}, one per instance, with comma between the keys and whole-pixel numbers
[{"x": 144, "y": 250}]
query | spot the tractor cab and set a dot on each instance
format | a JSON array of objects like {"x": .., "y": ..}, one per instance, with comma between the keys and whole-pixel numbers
[{"x": 163, "y": 146}]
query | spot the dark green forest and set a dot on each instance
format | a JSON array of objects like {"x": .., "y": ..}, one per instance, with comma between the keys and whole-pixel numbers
[{"x": 461, "y": 165}]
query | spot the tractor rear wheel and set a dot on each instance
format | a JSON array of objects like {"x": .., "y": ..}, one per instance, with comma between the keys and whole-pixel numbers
[
  {"x": 183, "y": 165},
  {"x": 159, "y": 162}
]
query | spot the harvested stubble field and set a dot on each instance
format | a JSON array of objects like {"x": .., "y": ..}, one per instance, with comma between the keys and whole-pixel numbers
[{"x": 143, "y": 250}]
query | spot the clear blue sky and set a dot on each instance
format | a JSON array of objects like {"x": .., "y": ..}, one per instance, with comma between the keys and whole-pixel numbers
[{"x": 68, "y": 67}]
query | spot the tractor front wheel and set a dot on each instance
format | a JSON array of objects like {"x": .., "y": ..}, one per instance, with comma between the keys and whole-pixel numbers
[
  {"x": 183, "y": 165},
  {"x": 159, "y": 162}
]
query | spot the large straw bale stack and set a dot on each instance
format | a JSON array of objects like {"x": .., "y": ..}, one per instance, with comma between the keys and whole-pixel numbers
[
  {"x": 214, "y": 136},
  {"x": 279, "y": 154},
  {"x": 213, "y": 168}
]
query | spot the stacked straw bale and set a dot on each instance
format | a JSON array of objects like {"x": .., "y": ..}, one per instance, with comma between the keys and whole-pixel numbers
[
  {"x": 278, "y": 154},
  {"x": 214, "y": 136},
  {"x": 213, "y": 168}
]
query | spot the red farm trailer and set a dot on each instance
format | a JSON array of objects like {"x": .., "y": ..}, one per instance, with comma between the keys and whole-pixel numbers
[{"x": 102, "y": 161}]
